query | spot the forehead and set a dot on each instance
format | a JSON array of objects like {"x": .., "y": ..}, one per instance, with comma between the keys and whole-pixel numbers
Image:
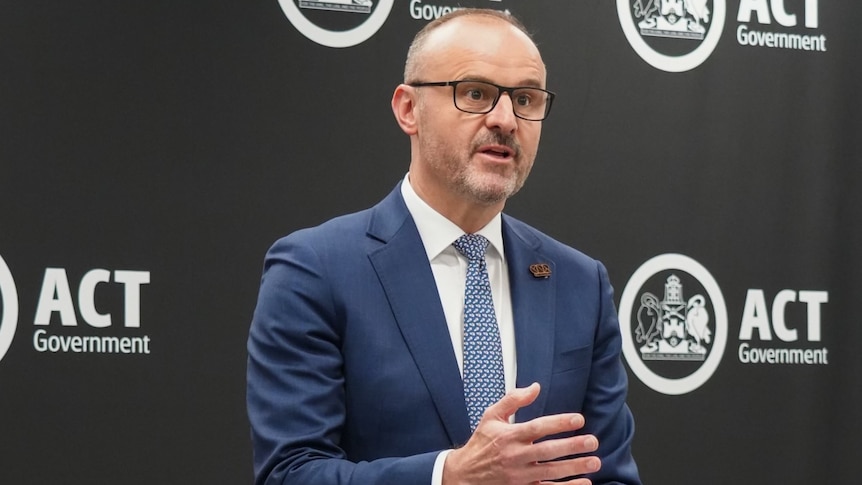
[{"x": 484, "y": 48}]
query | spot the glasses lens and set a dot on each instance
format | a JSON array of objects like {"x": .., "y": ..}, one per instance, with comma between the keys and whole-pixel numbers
[
  {"x": 530, "y": 103},
  {"x": 475, "y": 96},
  {"x": 479, "y": 97}
]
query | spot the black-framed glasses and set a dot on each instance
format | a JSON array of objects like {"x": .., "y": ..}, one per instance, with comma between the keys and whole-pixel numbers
[{"x": 480, "y": 97}]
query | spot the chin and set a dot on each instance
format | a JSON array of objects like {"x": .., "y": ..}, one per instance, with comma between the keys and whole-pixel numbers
[
  {"x": 490, "y": 194},
  {"x": 488, "y": 187}
]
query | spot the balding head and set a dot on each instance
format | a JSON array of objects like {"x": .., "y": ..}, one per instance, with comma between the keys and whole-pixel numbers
[{"x": 417, "y": 50}]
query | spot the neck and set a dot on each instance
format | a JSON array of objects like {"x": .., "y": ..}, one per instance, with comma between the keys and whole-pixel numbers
[{"x": 464, "y": 212}]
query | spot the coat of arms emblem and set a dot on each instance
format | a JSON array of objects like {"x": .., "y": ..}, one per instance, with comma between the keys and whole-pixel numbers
[
  {"x": 672, "y": 18},
  {"x": 673, "y": 328}
]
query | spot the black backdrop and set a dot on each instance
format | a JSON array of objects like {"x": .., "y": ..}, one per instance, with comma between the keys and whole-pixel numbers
[{"x": 179, "y": 139}]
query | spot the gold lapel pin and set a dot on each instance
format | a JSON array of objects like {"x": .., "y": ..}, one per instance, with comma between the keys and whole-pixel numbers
[{"x": 540, "y": 270}]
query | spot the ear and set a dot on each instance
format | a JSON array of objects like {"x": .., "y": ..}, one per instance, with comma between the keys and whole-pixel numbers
[{"x": 404, "y": 108}]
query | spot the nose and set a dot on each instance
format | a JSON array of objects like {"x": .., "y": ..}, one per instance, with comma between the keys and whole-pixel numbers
[{"x": 502, "y": 117}]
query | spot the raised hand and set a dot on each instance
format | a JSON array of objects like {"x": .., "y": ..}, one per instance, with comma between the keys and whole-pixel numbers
[{"x": 502, "y": 453}]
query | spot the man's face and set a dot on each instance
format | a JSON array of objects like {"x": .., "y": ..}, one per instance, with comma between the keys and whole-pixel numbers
[{"x": 484, "y": 158}]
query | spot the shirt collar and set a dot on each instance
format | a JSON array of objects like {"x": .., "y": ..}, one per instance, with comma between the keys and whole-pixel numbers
[{"x": 437, "y": 232}]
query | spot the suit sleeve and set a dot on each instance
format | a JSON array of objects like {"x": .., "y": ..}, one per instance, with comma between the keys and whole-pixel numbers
[
  {"x": 606, "y": 413},
  {"x": 295, "y": 383}
]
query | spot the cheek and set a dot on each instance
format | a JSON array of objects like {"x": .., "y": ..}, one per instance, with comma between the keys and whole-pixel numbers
[
  {"x": 450, "y": 129},
  {"x": 530, "y": 142},
  {"x": 532, "y": 133}
]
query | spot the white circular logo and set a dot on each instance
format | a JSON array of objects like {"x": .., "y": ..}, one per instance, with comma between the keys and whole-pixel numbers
[
  {"x": 672, "y": 35},
  {"x": 682, "y": 336},
  {"x": 8, "y": 308},
  {"x": 334, "y": 38}
]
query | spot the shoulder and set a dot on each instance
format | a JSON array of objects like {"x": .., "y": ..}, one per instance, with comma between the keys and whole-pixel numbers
[
  {"x": 348, "y": 225},
  {"x": 349, "y": 234},
  {"x": 559, "y": 252},
  {"x": 380, "y": 221},
  {"x": 333, "y": 240}
]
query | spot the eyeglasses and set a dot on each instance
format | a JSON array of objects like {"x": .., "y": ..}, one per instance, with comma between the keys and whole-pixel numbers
[{"x": 480, "y": 97}]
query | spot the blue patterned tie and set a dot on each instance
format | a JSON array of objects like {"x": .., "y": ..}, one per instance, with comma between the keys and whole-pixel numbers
[{"x": 484, "y": 383}]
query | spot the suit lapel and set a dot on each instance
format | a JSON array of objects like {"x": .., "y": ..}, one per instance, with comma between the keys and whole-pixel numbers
[
  {"x": 403, "y": 269},
  {"x": 533, "y": 303}
]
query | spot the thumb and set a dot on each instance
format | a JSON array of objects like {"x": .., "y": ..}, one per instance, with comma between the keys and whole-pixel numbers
[{"x": 512, "y": 401}]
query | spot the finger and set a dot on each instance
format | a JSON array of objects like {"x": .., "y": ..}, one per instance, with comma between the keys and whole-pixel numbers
[
  {"x": 577, "y": 481},
  {"x": 547, "y": 425},
  {"x": 556, "y": 470},
  {"x": 512, "y": 401},
  {"x": 562, "y": 447}
]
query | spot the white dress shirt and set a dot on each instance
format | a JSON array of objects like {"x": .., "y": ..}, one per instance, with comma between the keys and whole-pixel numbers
[{"x": 450, "y": 273}]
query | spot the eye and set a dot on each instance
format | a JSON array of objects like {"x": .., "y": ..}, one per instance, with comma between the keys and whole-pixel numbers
[
  {"x": 475, "y": 94},
  {"x": 522, "y": 98}
]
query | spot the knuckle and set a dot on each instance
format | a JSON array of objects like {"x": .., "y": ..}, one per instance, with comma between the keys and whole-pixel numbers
[{"x": 534, "y": 428}]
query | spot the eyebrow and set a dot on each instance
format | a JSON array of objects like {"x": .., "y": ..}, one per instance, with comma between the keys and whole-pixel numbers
[{"x": 526, "y": 83}]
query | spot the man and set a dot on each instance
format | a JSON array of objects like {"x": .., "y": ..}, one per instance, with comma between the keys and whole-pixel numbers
[{"x": 380, "y": 354}]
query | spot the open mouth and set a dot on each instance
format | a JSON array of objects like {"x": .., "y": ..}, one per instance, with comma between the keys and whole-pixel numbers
[{"x": 498, "y": 151}]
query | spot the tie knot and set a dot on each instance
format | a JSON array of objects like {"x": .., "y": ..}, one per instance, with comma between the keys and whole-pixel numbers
[{"x": 472, "y": 246}]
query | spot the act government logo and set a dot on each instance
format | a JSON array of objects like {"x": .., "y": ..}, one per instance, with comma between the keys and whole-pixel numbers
[
  {"x": 673, "y": 322},
  {"x": 337, "y": 23},
  {"x": 8, "y": 308},
  {"x": 672, "y": 35}
]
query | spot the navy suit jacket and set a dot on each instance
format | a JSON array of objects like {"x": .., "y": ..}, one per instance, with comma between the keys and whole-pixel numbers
[{"x": 352, "y": 378}]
